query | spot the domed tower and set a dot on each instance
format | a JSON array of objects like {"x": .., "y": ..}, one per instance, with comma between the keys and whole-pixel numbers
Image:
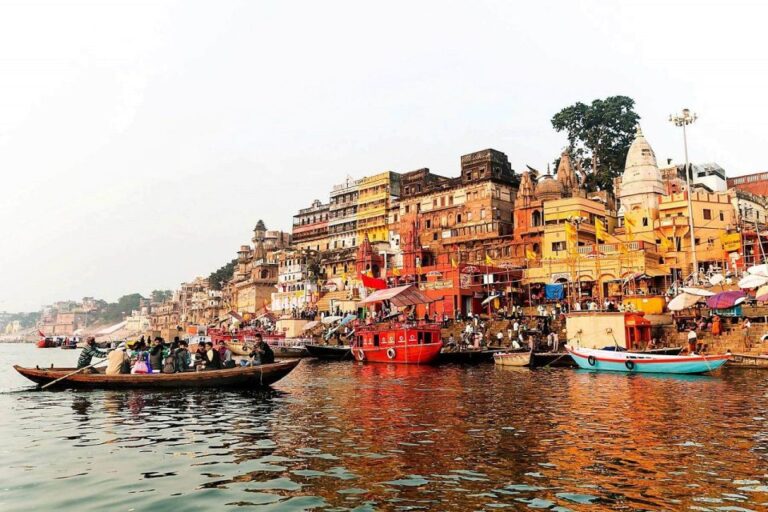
[
  {"x": 548, "y": 188},
  {"x": 641, "y": 183},
  {"x": 259, "y": 232}
]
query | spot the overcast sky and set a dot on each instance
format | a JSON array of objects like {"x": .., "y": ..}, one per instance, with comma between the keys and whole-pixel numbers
[{"x": 141, "y": 142}]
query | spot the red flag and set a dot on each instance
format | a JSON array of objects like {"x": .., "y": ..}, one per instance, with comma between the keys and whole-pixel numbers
[
  {"x": 40, "y": 333},
  {"x": 372, "y": 282}
]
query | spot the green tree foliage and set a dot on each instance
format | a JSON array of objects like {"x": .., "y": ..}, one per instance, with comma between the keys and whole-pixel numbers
[
  {"x": 599, "y": 135},
  {"x": 116, "y": 311},
  {"x": 223, "y": 274},
  {"x": 161, "y": 295}
]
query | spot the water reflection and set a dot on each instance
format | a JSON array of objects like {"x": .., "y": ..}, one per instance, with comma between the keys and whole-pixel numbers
[{"x": 347, "y": 436}]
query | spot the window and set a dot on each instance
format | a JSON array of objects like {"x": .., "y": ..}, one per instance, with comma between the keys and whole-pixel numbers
[
  {"x": 428, "y": 223},
  {"x": 434, "y": 236},
  {"x": 707, "y": 214},
  {"x": 469, "y": 215},
  {"x": 722, "y": 216},
  {"x": 482, "y": 213},
  {"x": 558, "y": 246},
  {"x": 407, "y": 208},
  {"x": 458, "y": 218},
  {"x": 645, "y": 221}
]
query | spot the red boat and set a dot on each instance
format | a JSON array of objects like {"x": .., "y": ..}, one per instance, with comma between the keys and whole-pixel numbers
[{"x": 397, "y": 342}]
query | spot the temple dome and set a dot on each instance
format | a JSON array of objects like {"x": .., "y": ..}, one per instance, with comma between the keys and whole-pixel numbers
[
  {"x": 549, "y": 188},
  {"x": 641, "y": 173}
]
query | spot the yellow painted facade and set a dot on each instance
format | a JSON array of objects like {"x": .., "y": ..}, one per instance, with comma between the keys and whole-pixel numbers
[{"x": 373, "y": 204}]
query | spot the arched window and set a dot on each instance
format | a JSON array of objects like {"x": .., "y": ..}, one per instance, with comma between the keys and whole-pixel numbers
[{"x": 536, "y": 218}]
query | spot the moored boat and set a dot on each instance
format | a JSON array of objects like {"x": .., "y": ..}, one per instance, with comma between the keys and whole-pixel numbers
[
  {"x": 635, "y": 362},
  {"x": 468, "y": 356},
  {"x": 401, "y": 342},
  {"x": 330, "y": 352},
  {"x": 517, "y": 358},
  {"x": 241, "y": 377}
]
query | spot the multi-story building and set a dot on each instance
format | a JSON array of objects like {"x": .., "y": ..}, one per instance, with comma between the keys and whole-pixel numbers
[
  {"x": 295, "y": 287},
  {"x": 342, "y": 215},
  {"x": 375, "y": 196},
  {"x": 310, "y": 227}
]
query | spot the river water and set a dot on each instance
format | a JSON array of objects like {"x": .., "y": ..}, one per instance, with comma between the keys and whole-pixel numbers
[{"x": 346, "y": 436}]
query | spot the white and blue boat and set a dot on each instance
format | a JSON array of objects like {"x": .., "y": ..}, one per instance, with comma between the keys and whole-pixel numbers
[{"x": 633, "y": 362}]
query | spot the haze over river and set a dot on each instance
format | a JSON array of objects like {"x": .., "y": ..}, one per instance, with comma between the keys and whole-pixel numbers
[{"x": 346, "y": 436}]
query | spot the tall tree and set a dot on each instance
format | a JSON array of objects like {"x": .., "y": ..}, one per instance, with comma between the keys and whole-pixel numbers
[
  {"x": 161, "y": 295},
  {"x": 222, "y": 275},
  {"x": 599, "y": 135}
]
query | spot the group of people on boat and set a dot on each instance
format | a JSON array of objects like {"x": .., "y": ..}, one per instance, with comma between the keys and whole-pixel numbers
[{"x": 138, "y": 357}]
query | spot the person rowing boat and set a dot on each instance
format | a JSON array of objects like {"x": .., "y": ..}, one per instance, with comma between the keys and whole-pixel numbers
[{"x": 89, "y": 352}]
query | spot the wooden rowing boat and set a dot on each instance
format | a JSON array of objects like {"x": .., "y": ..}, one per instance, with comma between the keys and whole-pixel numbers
[
  {"x": 247, "y": 377},
  {"x": 330, "y": 352},
  {"x": 469, "y": 356},
  {"x": 749, "y": 361},
  {"x": 518, "y": 358}
]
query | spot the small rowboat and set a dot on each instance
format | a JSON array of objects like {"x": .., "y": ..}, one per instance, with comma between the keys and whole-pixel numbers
[
  {"x": 520, "y": 358},
  {"x": 247, "y": 377},
  {"x": 330, "y": 352},
  {"x": 468, "y": 356},
  {"x": 636, "y": 362}
]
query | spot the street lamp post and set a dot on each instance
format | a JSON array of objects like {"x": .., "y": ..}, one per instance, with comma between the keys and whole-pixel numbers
[{"x": 681, "y": 121}]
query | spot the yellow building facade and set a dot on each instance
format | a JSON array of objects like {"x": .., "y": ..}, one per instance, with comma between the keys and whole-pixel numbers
[{"x": 373, "y": 205}]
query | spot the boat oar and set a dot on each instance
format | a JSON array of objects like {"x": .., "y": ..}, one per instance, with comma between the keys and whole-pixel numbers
[{"x": 71, "y": 374}]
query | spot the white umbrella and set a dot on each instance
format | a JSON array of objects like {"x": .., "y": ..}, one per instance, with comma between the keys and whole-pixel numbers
[
  {"x": 683, "y": 301},
  {"x": 330, "y": 319},
  {"x": 716, "y": 279},
  {"x": 759, "y": 270},
  {"x": 752, "y": 281},
  {"x": 698, "y": 292}
]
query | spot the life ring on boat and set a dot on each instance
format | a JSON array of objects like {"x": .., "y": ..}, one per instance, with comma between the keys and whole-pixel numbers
[
  {"x": 629, "y": 364},
  {"x": 391, "y": 353},
  {"x": 591, "y": 360},
  {"x": 401, "y": 338},
  {"x": 360, "y": 354}
]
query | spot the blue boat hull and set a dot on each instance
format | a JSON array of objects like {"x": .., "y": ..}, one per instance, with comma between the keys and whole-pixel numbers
[{"x": 672, "y": 364}]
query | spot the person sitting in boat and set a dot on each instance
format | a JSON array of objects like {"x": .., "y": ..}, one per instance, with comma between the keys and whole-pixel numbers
[
  {"x": 156, "y": 354},
  {"x": 182, "y": 357},
  {"x": 118, "y": 361},
  {"x": 211, "y": 358},
  {"x": 262, "y": 353},
  {"x": 225, "y": 355},
  {"x": 89, "y": 352}
]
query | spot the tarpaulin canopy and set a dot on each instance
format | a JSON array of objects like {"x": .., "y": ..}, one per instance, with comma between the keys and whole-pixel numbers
[
  {"x": 399, "y": 296},
  {"x": 554, "y": 291},
  {"x": 347, "y": 319},
  {"x": 752, "y": 281},
  {"x": 683, "y": 301},
  {"x": 698, "y": 292},
  {"x": 726, "y": 300},
  {"x": 372, "y": 282}
]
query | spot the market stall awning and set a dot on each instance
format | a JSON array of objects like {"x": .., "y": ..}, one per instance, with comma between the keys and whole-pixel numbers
[
  {"x": 399, "y": 296},
  {"x": 726, "y": 300},
  {"x": 683, "y": 301}
]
